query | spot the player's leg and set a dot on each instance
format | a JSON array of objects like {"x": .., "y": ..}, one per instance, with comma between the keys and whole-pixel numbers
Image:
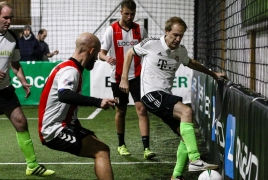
[
  {"x": 144, "y": 123},
  {"x": 14, "y": 112},
  {"x": 182, "y": 159},
  {"x": 120, "y": 114},
  {"x": 82, "y": 142},
  {"x": 182, "y": 154},
  {"x": 184, "y": 112},
  {"x": 92, "y": 147}
]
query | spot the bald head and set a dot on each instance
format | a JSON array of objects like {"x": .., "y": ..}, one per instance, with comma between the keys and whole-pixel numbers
[
  {"x": 89, "y": 40},
  {"x": 87, "y": 49}
]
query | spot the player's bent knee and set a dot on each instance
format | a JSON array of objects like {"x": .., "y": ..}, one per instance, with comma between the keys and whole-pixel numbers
[
  {"x": 103, "y": 153},
  {"x": 188, "y": 113}
]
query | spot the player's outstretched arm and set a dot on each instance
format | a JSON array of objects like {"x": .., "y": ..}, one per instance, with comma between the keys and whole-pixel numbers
[
  {"x": 107, "y": 103},
  {"x": 193, "y": 64}
]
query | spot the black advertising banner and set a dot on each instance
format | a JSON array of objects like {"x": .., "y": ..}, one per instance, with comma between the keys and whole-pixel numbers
[
  {"x": 251, "y": 144},
  {"x": 237, "y": 144},
  {"x": 208, "y": 107},
  {"x": 258, "y": 147},
  {"x": 234, "y": 123},
  {"x": 195, "y": 93},
  {"x": 216, "y": 100},
  {"x": 201, "y": 98}
]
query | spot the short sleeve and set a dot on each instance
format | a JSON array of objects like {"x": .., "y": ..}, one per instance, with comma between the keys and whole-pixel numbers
[
  {"x": 68, "y": 79},
  {"x": 184, "y": 56},
  {"x": 141, "y": 49},
  {"x": 15, "y": 55},
  {"x": 107, "y": 38}
]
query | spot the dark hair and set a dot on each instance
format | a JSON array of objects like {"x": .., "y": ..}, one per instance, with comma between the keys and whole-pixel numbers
[
  {"x": 174, "y": 20},
  {"x": 41, "y": 31},
  {"x": 27, "y": 27},
  {"x": 130, "y": 4}
]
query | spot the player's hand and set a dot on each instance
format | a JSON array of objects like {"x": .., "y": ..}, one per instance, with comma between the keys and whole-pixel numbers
[
  {"x": 107, "y": 103},
  {"x": 26, "y": 88},
  {"x": 56, "y": 52},
  {"x": 221, "y": 75},
  {"x": 111, "y": 60},
  {"x": 124, "y": 86},
  {"x": 2, "y": 76}
]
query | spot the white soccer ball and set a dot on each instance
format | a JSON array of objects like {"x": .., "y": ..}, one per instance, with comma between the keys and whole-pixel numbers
[{"x": 210, "y": 175}]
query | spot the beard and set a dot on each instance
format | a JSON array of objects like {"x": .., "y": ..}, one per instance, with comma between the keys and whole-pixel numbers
[{"x": 90, "y": 64}]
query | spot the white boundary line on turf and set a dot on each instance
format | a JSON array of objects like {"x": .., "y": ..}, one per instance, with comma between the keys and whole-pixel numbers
[
  {"x": 81, "y": 163},
  {"x": 95, "y": 113},
  {"x": 2, "y": 119},
  {"x": 91, "y": 116}
]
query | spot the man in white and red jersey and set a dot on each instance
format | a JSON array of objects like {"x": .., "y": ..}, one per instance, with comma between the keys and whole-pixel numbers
[
  {"x": 58, "y": 125},
  {"x": 162, "y": 58},
  {"x": 9, "y": 102},
  {"x": 118, "y": 39}
]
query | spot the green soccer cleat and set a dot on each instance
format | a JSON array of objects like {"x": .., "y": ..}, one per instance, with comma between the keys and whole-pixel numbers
[
  {"x": 39, "y": 171},
  {"x": 148, "y": 154},
  {"x": 122, "y": 150}
]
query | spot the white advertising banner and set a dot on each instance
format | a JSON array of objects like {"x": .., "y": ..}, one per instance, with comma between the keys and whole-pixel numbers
[{"x": 100, "y": 85}]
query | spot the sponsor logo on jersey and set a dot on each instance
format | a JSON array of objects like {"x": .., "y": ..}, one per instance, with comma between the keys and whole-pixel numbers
[
  {"x": 122, "y": 43},
  {"x": 163, "y": 64},
  {"x": 67, "y": 82},
  {"x": 5, "y": 53}
]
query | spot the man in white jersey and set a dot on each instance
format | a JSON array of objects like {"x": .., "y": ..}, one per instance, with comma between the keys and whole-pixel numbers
[
  {"x": 119, "y": 38},
  {"x": 9, "y": 102},
  {"x": 162, "y": 57},
  {"x": 58, "y": 124}
]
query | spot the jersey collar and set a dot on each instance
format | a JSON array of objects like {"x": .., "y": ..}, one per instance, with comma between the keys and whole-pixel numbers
[
  {"x": 164, "y": 44},
  {"x": 81, "y": 68}
]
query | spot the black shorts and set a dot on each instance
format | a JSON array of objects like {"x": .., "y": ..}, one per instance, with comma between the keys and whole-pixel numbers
[
  {"x": 162, "y": 104},
  {"x": 8, "y": 99},
  {"x": 69, "y": 139},
  {"x": 134, "y": 89}
]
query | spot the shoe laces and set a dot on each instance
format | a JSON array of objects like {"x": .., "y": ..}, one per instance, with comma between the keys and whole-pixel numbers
[{"x": 123, "y": 148}]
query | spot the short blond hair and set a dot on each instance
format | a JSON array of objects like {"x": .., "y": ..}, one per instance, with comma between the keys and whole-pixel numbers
[
  {"x": 174, "y": 20},
  {"x": 4, "y": 3}
]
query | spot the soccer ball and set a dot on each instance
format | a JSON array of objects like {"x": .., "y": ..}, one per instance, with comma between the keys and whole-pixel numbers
[{"x": 210, "y": 175}]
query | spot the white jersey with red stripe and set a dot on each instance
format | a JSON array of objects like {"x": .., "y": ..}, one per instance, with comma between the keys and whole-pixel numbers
[
  {"x": 159, "y": 64},
  {"x": 119, "y": 41},
  {"x": 53, "y": 114},
  {"x": 9, "y": 52}
]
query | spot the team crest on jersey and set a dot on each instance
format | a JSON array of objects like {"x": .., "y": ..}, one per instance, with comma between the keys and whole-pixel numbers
[{"x": 68, "y": 82}]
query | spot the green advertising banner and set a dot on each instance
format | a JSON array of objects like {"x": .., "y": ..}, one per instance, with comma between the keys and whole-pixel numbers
[{"x": 36, "y": 74}]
